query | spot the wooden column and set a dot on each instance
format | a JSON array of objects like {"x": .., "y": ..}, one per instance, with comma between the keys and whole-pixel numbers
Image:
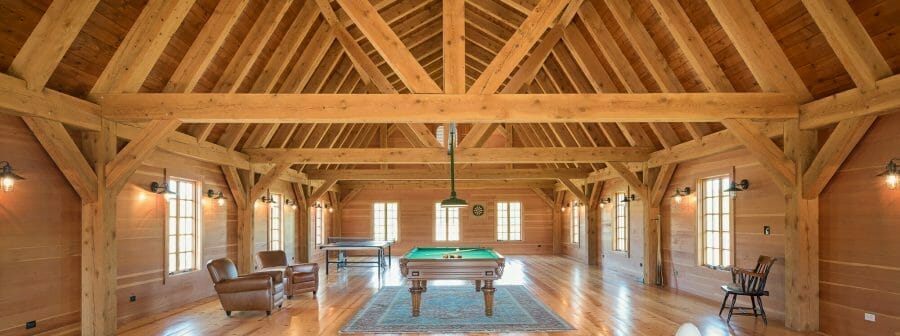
[
  {"x": 98, "y": 239},
  {"x": 801, "y": 235},
  {"x": 593, "y": 224},
  {"x": 651, "y": 229},
  {"x": 557, "y": 222},
  {"x": 302, "y": 222}
]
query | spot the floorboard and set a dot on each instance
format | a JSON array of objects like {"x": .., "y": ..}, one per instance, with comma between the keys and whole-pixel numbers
[{"x": 594, "y": 300}]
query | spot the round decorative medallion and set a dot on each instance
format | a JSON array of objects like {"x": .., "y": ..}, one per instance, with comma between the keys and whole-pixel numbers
[{"x": 478, "y": 210}]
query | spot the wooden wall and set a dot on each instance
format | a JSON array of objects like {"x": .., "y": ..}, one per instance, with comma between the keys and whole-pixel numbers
[
  {"x": 859, "y": 239},
  {"x": 40, "y": 238},
  {"x": 416, "y": 211},
  {"x": 761, "y": 205}
]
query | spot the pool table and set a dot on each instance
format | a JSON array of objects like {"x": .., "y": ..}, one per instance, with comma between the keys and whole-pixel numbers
[{"x": 452, "y": 263}]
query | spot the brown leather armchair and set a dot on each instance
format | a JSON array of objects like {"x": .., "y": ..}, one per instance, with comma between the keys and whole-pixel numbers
[
  {"x": 300, "y": 278},
  {"x": 254, "y": 291}
]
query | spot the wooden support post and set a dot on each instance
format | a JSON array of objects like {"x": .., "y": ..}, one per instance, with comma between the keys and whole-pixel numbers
[
  {"x": 302, "y": 222},
  {"x": 801, "y": 235},
  {"x": 98, "y": 239},
  {"x": 557, "y": 222},
  {"x": 651, "y": 229},
  {"x": 593, "y": 224},
  {"x": 337, "y": 214},
  {"x": 240, "y": 189}
]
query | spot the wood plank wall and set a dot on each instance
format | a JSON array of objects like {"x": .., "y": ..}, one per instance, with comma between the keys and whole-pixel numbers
[
  {"x": 859, "y": 239},
  {"x": 416, "y": 211},
  {"x": 40, "y": 238}
]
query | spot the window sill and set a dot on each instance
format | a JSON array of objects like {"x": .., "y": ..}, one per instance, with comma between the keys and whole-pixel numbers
[{"x": 177, "y": 274}]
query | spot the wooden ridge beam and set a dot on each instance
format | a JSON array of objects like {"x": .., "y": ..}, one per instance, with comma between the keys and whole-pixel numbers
[
  {"x": 461, "y": 185},
  {"x": 439, "y": 155},
  {"x": 524, "y": 108},
  {"x": 433, "y": 174},
  {"x": 454, "y": 46},
  {"x": 50, "y": 40}
]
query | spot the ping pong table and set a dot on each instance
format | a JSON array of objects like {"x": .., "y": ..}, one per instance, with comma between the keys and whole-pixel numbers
[{"x": 341, "y": 245}]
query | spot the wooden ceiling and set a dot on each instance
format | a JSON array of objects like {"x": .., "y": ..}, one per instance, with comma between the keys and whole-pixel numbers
[{"x": 584, "y": 46}]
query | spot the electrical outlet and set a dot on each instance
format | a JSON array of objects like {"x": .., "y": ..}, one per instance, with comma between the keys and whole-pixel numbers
[
  {"x": 132, "y": 298},
  {"x": 767, "y": 230},
  {"x": 30, "y": 324},
  {"x": 870, "y": 317}
]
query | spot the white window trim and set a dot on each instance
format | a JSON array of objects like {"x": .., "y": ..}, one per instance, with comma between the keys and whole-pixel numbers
[
  {"x": 618, "y": 196},
  {"x": 576, "y": 212},
  {"x": 280, "y": 205},
  {"x": 198, "y": 226},
  {"x": 434, "y": 236},
  {"x": 701, "y": 228},
  {"x": 521, "y": 221},
  {"x": 385, "y": 219},
  {"x": 318, "y": 233}
]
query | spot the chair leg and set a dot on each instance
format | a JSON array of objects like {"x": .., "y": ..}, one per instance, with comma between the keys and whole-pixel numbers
[
  {"x": 723, "y": 304},
  {"x": 228, "y": 313},
  {"x": 753, "y": 304},
  {"x": 268, "y": 312},
  {"x": 761, "y": 310},
  {"x": 731, "y": 310}
]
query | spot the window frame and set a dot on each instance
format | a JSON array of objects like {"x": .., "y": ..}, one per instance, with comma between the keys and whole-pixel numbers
[
  {"x": 446, "y": 224},
  {"x": 198, "y": 201},
  {"x": 318, "y": 220},
  {"x": 279, "y": 204},
  {"x": 386, "y": 217},
  {"x": 621, "y": 210},
  {"x": 497, "y": 224},
  {"x": 725, "y": 181},
  {"x": 576, "y": 212}
]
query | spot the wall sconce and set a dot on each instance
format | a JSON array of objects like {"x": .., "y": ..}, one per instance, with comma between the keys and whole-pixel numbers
[
  {"x": 891, "y": 175},
  {"x": 563, "y": 208},
  {"x": 576, "y": 204},
  {"x": 330, "y": 209},
  {"x": 317, "y": 206},
  {"x": 290, "y": 203},
  {"x": 219, "y": 197},
  {"x": 267, "y": 198},
  {"x": 736, "y": 187},
  {"x": 629, "y": 198},
  {"x": 604, "y": 202},
  {"x": 163, "y": 188},
  {"x": 680, "y": 193},
  {"x": 7, "y": 177}
]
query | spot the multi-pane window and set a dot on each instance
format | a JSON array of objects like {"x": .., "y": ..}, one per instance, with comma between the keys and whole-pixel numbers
[
  {"x": 439, "y": 134},
  {"x": 446, "y": 223},
  {"x": 319, "y": 219},
  {"x": 276, "y": 222},
  {"x": 715, "y": 222},
  {"x": 183, "y": 217},
  {"x": 384, "y": 221},
  {"x": 620, "y": 226},
  {"x": 509, "y": 221},
  {"x": 575, "y": 224}
]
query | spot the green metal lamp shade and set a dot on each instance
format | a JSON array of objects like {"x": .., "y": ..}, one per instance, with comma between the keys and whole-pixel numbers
[{"x": 454, "y": 202}]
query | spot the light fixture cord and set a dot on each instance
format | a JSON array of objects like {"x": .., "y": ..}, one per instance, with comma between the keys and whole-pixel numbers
[{"x": 452, "y": 161}]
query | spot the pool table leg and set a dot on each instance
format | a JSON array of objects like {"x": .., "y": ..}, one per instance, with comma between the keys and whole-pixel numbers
[
  {"x": 416, "y": 291},
  {"x": 488, "y": 297},
  {"x": 477, "y": 285},
  {"x": 424, "y": 286}
]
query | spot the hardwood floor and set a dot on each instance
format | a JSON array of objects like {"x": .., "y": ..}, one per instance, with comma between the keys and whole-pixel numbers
[{"x": 595, "y": 301}]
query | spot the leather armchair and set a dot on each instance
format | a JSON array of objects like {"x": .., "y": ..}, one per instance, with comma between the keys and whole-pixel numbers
[
  {"x": 254, "y": 291},
  {"x": 300, "y": 278}
]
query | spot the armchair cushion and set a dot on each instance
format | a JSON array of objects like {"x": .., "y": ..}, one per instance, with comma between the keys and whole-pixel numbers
[
  {"x": 277, "y": 276},
  {"x": 305, "y": 268},
  {"x": 244, "y": 284}
]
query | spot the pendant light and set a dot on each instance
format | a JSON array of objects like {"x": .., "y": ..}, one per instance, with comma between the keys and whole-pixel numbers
[{"x": 453, "y": 201}]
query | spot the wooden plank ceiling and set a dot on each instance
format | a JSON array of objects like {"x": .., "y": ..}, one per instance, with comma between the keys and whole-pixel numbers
[{"x": 316, "y": 46}]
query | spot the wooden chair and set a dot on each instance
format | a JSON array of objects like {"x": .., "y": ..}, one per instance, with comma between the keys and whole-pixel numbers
[{"x": 747, "y": 282}]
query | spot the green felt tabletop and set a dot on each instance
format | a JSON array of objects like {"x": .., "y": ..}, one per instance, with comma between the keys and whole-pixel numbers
[{"x": 438, "y": 252}]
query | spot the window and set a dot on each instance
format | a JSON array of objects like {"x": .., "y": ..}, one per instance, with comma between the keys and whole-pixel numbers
[
  {"x": 620, "y": 232},
  {"x": 575, "y": 224},
  {"x": 276, "y": 231},
  {"x": 439, "y": 134},
  {"x": 384, "y": 221},
  {"x": 509, "y": 221},
  {"x": 183, "y": 218},
  {"x": 446, "y": 223},
  {"x": 715, "y": 222},
  {"x": 318, "y": 218}
]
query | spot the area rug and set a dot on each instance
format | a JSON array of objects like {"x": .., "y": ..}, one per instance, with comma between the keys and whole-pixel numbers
[{"x": 454, "y": 309}]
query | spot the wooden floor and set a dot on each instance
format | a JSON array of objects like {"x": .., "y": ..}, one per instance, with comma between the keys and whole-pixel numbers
[{"x": 593, "y": 300}]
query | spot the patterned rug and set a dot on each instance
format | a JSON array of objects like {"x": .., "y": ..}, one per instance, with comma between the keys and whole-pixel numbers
[{"x": 454, "y": 309}]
